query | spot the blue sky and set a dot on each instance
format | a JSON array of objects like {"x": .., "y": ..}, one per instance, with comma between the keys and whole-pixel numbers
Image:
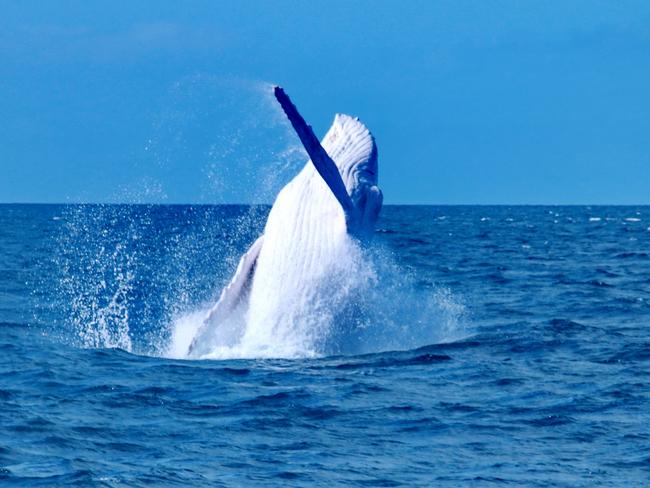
[{"x": 470, "y": 101}]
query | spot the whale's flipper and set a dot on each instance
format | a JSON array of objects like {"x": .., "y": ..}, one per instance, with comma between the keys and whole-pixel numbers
[
  {"x": 231, "y": 295},
  {"x": 319, "y": 157}
]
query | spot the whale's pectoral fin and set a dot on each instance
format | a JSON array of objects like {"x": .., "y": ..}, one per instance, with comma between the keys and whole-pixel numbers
[
  {"x": 231, "y": 295},
  {"x": 319, "y": 157}
]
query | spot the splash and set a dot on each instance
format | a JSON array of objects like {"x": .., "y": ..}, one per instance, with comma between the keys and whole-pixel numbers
[
  {"x": 364, "y": 303},
  {"x": 96, "y": 281},
  {"x": 142, "y": 277},
  {"x": 124, "y": 271}
]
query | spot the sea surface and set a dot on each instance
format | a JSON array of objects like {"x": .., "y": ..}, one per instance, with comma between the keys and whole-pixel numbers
[{"x": 499, "y": 346}]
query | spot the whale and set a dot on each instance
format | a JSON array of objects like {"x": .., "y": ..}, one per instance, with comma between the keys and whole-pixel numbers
[{"x": 286, "y": 281}]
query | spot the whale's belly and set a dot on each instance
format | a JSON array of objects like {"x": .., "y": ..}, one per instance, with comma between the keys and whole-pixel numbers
[{"x": 304, "y": 239}]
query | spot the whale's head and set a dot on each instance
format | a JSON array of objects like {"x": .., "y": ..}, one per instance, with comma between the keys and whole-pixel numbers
[
  {"x": 346, "y": 159},
  {"x": 352, "y": 147}
]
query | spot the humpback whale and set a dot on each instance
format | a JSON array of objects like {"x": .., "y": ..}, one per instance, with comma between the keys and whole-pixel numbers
[{"x": 316, "y": 220}]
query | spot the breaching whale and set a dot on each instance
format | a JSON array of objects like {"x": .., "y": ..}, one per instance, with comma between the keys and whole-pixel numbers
[{"x": 332, "y": 203}]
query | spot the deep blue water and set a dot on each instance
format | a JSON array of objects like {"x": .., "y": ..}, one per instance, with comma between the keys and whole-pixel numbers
[{"x": 541, "y": 378}]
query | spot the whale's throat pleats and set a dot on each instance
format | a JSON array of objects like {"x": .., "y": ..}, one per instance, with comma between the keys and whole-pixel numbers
[{"x": 304, "y": 237}]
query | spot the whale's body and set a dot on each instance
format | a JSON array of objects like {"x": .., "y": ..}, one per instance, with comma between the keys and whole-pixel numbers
[{"x": 282, "y": 281}]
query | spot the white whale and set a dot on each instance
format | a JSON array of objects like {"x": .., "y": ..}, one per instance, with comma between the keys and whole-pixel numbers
[{"x": 283, "y": 283}]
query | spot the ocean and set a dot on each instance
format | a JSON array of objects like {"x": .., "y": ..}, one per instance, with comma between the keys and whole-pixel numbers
[{"x": 480, "y": 346}]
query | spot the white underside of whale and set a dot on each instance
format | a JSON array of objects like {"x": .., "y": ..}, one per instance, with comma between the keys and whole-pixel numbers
[{"x": 282, "y": 291}]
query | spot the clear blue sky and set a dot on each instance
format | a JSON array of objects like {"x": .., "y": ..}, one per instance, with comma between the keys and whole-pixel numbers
[{"x": 470, "y": 101}]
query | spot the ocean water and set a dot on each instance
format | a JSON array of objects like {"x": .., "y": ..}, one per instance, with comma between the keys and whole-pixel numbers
[{"x": 482, "y": 346}]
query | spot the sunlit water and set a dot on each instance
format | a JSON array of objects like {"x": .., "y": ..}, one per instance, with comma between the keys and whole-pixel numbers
[{"x": 465, "y": 346}]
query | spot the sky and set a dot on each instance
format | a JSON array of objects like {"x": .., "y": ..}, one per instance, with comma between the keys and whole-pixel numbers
[{"x": 471, "y": 102}]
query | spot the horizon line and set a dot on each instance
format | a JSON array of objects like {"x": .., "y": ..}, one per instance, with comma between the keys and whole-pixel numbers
[{"x": 259, "y": 204}]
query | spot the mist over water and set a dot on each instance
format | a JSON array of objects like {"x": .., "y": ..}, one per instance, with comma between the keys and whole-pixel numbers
[{"x": 219, "y": 139}]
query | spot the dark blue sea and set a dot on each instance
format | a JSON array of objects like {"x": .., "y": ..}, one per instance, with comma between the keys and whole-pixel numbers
[{"x": 501, "y": 346}]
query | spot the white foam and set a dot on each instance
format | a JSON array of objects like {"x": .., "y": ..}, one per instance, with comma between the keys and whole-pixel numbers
[
  {"x": 183, "y": 330},
  {"x": 369, "y": 305}
]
